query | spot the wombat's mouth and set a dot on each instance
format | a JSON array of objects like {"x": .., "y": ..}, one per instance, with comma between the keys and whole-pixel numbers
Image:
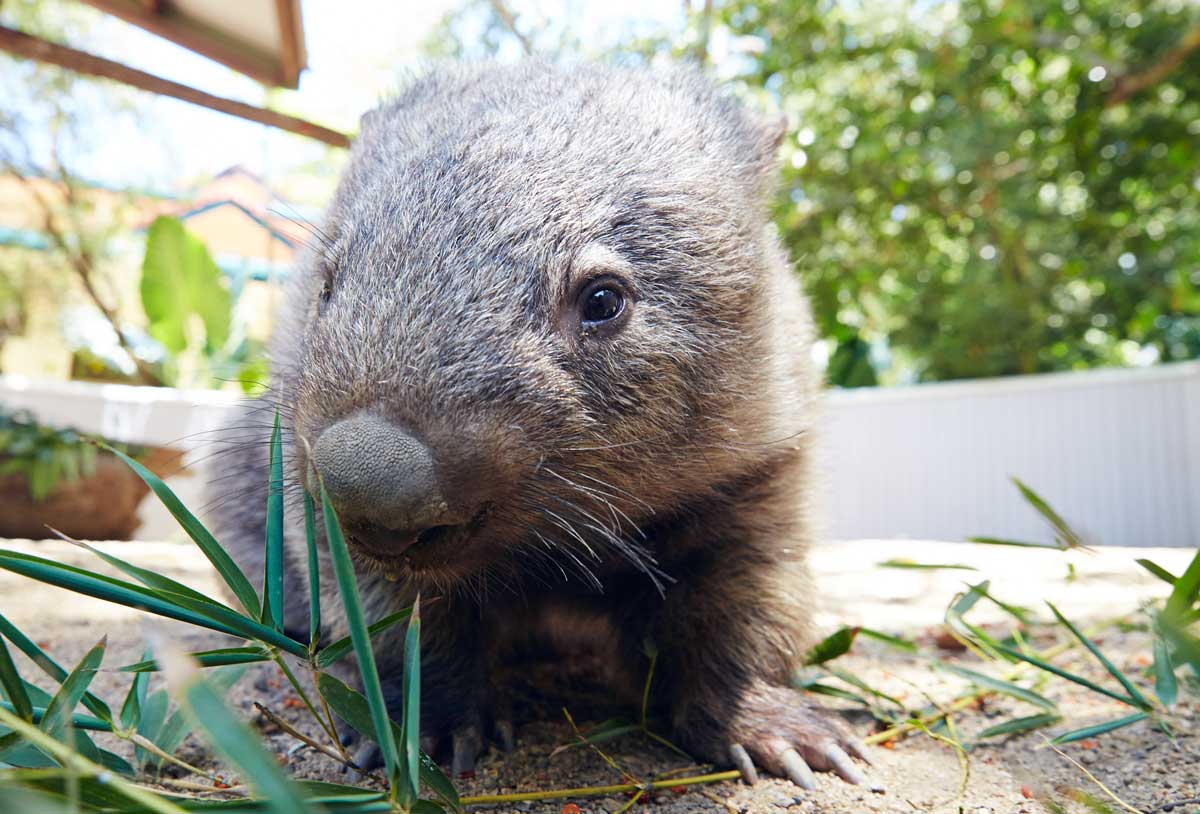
[{"x": 382, "y": 543}]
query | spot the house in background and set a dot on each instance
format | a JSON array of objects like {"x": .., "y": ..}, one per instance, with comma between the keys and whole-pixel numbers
[{"x": 252, "y": 234}]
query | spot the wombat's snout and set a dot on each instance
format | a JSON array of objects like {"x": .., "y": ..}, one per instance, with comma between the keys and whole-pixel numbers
[{"x": 382, "y": 481}]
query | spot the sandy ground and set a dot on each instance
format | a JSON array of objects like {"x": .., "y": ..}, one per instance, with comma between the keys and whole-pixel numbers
[{"x": 1146, "y": 768}]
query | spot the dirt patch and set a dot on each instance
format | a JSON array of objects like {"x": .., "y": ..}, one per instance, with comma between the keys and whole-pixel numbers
[{"x": 1143, "y": 765}]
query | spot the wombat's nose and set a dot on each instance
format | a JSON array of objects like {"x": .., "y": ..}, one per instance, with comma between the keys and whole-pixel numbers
[{"x": 375, "y": 472}]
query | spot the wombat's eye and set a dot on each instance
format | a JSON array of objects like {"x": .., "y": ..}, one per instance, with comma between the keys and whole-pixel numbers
[
  {"x": 323, "y": 297},
  {"x": 601, "y": 302}
]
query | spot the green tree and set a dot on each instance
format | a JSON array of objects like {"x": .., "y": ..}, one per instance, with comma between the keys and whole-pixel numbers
[{"x": 990, "y": 188}]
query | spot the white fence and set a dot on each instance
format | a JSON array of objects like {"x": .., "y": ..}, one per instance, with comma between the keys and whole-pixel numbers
[{"x": 1117, "y": 452}]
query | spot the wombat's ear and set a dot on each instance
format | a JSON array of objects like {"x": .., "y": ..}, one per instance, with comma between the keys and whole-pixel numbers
[
  {"x": 367, "y": 123},
  {"x": 770, "y": 129}
]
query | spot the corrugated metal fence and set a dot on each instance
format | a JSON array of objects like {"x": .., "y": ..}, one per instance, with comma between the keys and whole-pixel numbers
[{"x": 1116, "y": 452}]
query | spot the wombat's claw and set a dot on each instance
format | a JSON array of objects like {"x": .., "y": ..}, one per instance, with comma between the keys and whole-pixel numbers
[
  {"x": 467, "y": 744},
  {"x": 741, "y": 761},
  {"x": 786, "y": 761},
  {"x": 368, "y": 757},
  {"x": 504, "y": 733}
]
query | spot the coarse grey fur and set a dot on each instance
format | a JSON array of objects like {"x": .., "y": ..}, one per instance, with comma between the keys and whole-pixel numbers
[{"x": 648, "y": 482}]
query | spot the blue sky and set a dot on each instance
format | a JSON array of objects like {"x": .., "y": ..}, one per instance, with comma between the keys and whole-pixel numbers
[{"x": 357, "y": 50}]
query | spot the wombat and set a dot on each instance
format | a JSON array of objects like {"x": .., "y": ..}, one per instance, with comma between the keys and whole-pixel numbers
[{"x": 553, "y": 368}]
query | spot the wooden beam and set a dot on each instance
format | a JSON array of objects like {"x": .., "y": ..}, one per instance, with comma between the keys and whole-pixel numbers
[
  {"x": 164, "y": 21},
  {"x": 23, "y": 45},
  {"x": 291, "y": 41}
]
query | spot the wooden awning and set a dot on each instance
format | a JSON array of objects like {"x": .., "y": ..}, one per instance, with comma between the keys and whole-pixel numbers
[{"x": 263, "y": 39}]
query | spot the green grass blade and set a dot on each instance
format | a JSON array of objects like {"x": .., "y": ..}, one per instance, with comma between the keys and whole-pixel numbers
[
  {"x": 1187, "y": 646},
  {"x": 62, "y": 706},
  {"x": 1061, "y": 673},
  {"x": 998, "y": 685},
  {"x": 131, "y": 709},
  {"x": 1066, "y": 535},
  {"x": 226, "y": 567},
  {"x": 343, "y": 647},
  {"x": 1017, "y": 543},
  {"x": 153, "y": 581},
  {"x": 273, "y": 587},
  {"x": 1158, "y": 571},
  {"x": 352, "y": 707},
  {"x": 343, "y": 570},
  {"x": 314, "y": 572},
  {"x": 892, "y": 641},
  {"x": 836, "y": 644},
  {"x": 50, "y": 667},
  {"x": 833, "y": 692},
  {"x": 1186, "y": 589},
  {"x": 855, "y": 681},
  {"x": 924, "y": 566},
  {"x": 183, "y": 607},
  {"x": 208, "y": 658},
  {"x": 1019, "y": 725},
  {"x": 412, "y": 705},
  {"x": 154, "y": 713},
  {"x": 179, "y": 725},
  {"x": 78, "y": 719},
  {"x": 1099, "y": 729},
  {"x": 1166, "y": 687},
  {"x": 229, "y": 737},
  {"x": 1134, "y": 693},
  {"x": 80, "y": 767},
  {"x": 14, "y": 685}
]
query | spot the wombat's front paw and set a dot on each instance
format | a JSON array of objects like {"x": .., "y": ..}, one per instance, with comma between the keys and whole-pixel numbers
[{"x": 776, "y": 729}]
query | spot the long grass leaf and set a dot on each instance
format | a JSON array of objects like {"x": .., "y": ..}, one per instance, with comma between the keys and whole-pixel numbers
[
  {"x": 1186, "y": 589},
  {"x": 998, "y": 685},
  {"x": 1134, "y": 692},
  {"x": 226, "y": 567},
  {"x": 70, "y": 692},
  {"x": 352, "y": 707},
  {"x": 152, "y": 580},
  {"x": 924, "y": 566},
  {"x": 1158, "y": 571},
  {"x": 50, "y": 667},
  {"x": 135, "y": 699},
  {"x": 344, "y": 646},
  {"x": 183, "y": 607},
  {"x": 1166, "y": 687},
  {"x": 232, "y": 739},
  {"x": 78, "y": 719},
  {"x": 1019, "y": 725},
  {"x": 343, "y": 570},
  {"x": 177, "y": 727},
  {"x": 146, "y": 800},
  {"x": 1017, "y": 543},
  {"x": 14, "y": 685},
  {"x": 273, "y": 587},
  {"x": 412, "y": 706},
  {"x": 314, "y": 572},
  {"x": 208, "y": 658},
  {"x": 1066, "y": 535},
  {"x": 892, "y": 641},
  {"x": 1061, "y": 673},
  {"x": 1187, "y": 646},
  {"x": 1099, "y": 729},
  {"x": 835, "y": 644}
]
